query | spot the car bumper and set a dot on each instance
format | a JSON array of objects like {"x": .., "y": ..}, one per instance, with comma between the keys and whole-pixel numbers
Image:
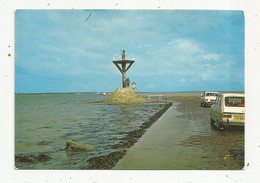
[
  {"x": 209, "y": 103},
  {"x": 232, "y": 123}
]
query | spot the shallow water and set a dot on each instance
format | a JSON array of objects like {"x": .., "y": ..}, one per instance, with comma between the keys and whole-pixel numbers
[{"x": 43, "y": 123}]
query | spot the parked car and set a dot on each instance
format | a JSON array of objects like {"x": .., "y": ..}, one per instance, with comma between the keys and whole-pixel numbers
[
  {"x": 208, "y": 98},
  {"x": 228, "y": 110}
]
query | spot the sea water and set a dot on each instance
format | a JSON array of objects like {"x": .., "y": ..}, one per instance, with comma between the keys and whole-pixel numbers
[{"x": 44, "y": 122}]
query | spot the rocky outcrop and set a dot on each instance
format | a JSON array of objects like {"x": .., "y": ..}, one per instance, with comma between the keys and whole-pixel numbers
[
  {"x": 32, "y": 158},
  {"x": 105, "y": 162},
  {"x": 124, "y": 96},
  {"x": 72, "y": 146}
]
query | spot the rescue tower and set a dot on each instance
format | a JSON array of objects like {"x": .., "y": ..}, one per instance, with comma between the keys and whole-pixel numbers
[{"x": 123, "y": 66}]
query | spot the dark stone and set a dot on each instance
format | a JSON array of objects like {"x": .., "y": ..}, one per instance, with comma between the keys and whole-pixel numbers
[
  {"x": 43, "y": 158},
  {"x": 32, "y": 158},
  {"x": 105, "y": 162}
]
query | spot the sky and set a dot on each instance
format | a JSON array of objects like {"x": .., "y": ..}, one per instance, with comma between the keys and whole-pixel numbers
[{"x": 174, "y": 50}]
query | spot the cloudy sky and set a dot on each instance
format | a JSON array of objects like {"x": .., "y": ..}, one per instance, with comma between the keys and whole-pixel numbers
[{"x": 174, "y": 50}]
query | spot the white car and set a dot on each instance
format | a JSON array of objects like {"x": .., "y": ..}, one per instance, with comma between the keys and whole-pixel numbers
[
  {"x": 208, "y": 98},
  {"x": 228, "y": 110}
]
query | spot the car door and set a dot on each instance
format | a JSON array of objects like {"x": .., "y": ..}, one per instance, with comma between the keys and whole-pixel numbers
[
  {"x": 219, "y": 109},
  {"x": 215, "y": 108}
]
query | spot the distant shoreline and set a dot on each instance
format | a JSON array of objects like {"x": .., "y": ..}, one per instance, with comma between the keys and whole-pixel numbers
[{"x": 185, "y": 93}]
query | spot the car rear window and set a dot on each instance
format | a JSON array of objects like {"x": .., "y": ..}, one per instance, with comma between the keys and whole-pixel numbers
[
  {"x": 211, "y": 94},
  {"x": 235, "y": 101}
]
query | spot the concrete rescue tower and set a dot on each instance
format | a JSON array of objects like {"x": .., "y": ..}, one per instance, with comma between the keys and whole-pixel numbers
[{"x": 123, "y": 66}]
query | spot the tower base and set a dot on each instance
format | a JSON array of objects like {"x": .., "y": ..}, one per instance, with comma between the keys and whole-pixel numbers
[{"x": 124, "y": 96}]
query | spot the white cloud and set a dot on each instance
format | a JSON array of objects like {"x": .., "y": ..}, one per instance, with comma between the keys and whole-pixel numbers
[
  {"x": 206, "y": 75},
  {"x": 183, "y": 80},
  {"x": 209, "y": 57},
  {"x": 151, "y": 85},
  {"x": 184, "y": 59},
  {"x": 144, "y": 46},
  {"x": 185, "y": 46}
]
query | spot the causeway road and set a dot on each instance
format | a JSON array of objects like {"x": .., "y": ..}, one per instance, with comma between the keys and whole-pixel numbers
[{"x": 182, "y": 139}]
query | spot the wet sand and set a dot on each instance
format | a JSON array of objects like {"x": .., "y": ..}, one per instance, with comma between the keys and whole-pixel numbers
[{"x": 182, "y": 139}]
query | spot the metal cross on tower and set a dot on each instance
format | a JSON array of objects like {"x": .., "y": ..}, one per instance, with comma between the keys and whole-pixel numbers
[{"x": 124, "y": 67}]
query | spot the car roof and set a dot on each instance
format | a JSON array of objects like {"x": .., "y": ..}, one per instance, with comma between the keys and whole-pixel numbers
[
  {"x": 233, "y": 94},
  {"x": 211, "y": 92}
]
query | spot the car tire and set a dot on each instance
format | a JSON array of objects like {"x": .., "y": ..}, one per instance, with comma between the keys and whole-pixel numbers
[
  {"x": 217, "y": 125},
  {"x": 212, "y": 122}
]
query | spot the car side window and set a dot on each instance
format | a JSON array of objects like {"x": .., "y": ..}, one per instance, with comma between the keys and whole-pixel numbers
[{"x": 219, "y": 98}]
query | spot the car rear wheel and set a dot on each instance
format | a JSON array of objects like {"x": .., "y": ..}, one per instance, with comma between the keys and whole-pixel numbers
[
  {"x": 218, "y": 126},
  {"x": 212, "y": 122}
]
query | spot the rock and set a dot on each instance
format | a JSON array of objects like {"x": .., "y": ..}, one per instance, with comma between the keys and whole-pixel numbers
[
  {"x": 43, "y": 158},
  {"x": 32, "y": 158},
  {"x": 72, "y": 146},
  {"x": 124, "y": 96},
  {"x": 105, "y": 162}
]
